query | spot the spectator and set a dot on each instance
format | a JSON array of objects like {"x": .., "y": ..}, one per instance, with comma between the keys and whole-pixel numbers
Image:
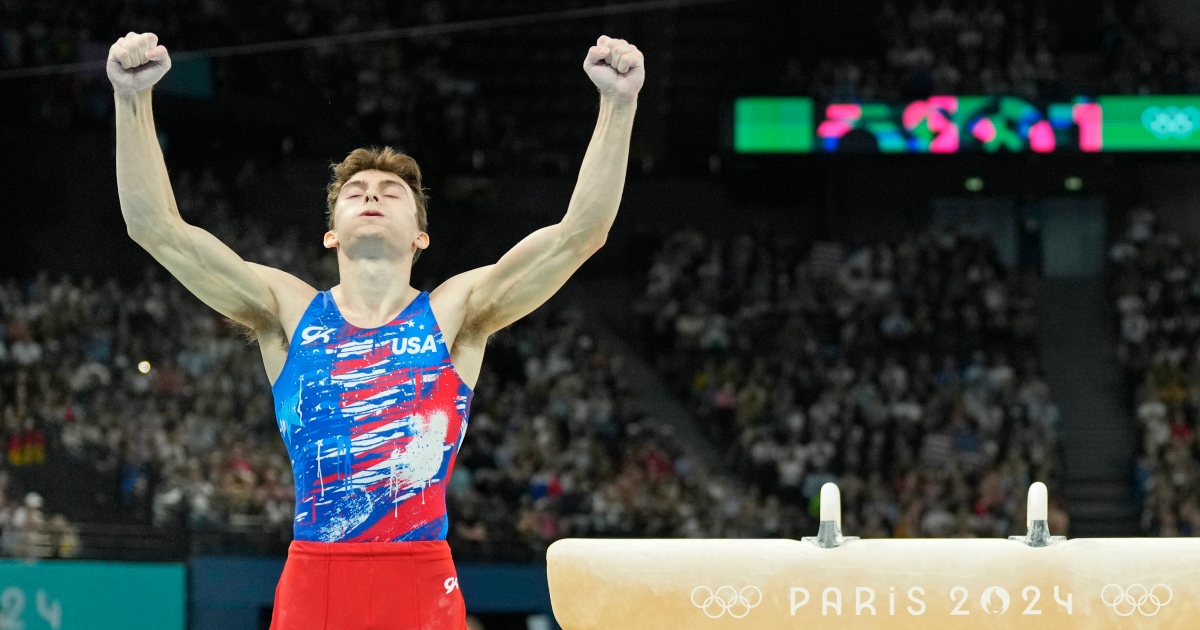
[
  {"x": 24, "y": 535},
  {"x": 163, "y": 396},
  {"x": 830, "y": 375},
  {"x": 1154, "y": 290}
]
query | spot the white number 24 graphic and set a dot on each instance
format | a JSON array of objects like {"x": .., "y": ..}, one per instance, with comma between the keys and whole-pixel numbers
[{"x": 12, "y": 607}]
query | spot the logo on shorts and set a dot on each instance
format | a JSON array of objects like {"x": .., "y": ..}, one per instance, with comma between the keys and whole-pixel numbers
[{"x": 451, "y": 583}]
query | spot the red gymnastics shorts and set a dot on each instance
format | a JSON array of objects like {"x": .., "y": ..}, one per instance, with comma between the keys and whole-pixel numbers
[{"x": 369, "y": 586}]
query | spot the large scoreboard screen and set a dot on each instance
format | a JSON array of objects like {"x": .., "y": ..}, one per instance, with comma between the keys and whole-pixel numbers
[{"x": 961, "y": 124}]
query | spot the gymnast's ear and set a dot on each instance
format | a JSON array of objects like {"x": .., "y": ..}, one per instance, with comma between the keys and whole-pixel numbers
[{"x": 330, "y": 241}]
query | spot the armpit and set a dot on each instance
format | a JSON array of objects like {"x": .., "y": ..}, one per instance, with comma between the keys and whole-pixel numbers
[{"x": 276, "y": 336}]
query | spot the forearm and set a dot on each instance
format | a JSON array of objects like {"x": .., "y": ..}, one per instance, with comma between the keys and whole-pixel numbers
[
  {"x": 144, "y": 188},
  {"x": 597, "y": 195}
]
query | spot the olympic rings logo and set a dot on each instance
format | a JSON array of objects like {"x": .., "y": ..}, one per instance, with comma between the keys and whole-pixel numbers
[
  {"x": 1167, "y": 122},
  {"x": 1126, "y": 601},
  {"x": 726, "y": 599}
]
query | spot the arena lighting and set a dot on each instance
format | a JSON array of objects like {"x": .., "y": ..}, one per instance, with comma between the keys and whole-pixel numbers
[
  {"x": 1073, "y": 183},
  {"x": 144, "y": 367},
  {"x": 1034, "y": 582},
  {"x": 974, "y": 184}
]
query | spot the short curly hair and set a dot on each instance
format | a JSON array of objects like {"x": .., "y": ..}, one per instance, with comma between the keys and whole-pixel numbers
[{"x": 383, "y": 159}]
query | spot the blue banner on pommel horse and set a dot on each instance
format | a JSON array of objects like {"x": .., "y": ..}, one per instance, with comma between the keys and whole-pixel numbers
[{"x": 911, "y": 584}]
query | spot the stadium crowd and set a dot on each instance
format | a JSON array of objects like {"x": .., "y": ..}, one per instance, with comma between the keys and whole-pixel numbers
[
  {"x": 1156, "y": 296},
  {"x": 148, "y": 386},
  {"x": 411, "y": 93},
  {"x": 425, "y": 95},
  {"x": 559, "y": 436},
  {"x": 999, "y": 48},
  {"x": 908, "y": 374},
  {"x": 817, "y": 368},
  {"x": 166, "y": 398},
  {"x": 27, "y": 531}
]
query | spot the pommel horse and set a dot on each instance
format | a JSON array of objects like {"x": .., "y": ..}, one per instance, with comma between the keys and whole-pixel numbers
[{"x": 829, "y": 581}]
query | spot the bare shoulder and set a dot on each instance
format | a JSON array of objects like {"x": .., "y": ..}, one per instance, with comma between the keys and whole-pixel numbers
[
  {"x": 450, "y": 301},
  {"x": 292, "y": 295},
  {"x": 451, "y": 304}
]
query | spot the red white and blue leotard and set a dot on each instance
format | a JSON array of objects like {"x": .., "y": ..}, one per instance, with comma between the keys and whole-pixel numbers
[{"x": 372, "y": 419}]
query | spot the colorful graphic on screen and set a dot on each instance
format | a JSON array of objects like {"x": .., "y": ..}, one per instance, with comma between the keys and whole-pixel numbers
[
  {"x": 959, "y": 124},
  {"x": 968, "y": 124}
]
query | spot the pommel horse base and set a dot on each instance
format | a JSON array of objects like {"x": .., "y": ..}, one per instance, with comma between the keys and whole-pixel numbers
[{"x": 911, "y": 584}]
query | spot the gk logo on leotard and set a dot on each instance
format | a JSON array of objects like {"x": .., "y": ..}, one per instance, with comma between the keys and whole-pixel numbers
[
  {"x": 451, "y": 583},
  {"x": 726, "y": 599},
  {"x": 313, "y": 333}
]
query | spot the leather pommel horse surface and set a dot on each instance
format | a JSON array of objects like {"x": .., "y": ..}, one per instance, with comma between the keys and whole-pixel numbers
[{"x": 926, "y": 584}]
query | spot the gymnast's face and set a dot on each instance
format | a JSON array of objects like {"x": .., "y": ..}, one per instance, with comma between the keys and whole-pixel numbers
[{"x": 375, "y": 215}]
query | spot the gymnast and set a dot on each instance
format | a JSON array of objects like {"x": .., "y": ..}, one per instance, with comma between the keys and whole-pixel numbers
[{"x": 372, "y": 379}]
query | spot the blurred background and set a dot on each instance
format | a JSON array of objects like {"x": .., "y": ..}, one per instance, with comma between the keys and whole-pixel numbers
[{"x": 930, "y": 250}]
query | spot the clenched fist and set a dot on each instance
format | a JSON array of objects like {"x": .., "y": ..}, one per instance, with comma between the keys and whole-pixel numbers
[
  {"x": 616, "y": 67},
  {"x": 137, "y": 62}
]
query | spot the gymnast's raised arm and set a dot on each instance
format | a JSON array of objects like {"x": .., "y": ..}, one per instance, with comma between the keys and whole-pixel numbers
[
  {"x": 538, "y": 266},
  {"x": 207, "y": 267}
]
